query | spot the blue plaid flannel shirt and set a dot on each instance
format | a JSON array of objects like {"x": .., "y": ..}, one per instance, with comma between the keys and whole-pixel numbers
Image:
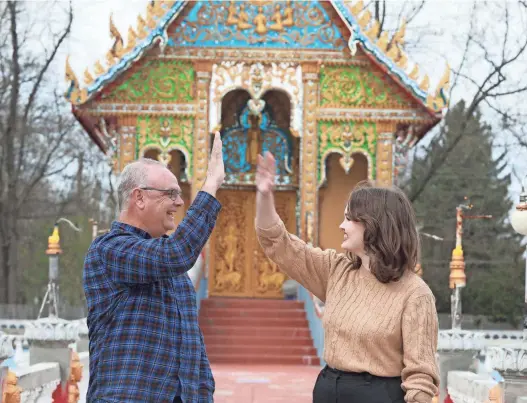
[{"x": 145, "y": 341}]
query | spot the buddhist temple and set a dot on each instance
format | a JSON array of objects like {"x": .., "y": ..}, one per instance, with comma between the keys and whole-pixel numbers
[{"x": 314, "y": 82}]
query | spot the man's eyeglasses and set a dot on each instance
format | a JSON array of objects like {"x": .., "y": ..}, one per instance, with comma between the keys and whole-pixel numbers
[{"x": 173, "y": 194}]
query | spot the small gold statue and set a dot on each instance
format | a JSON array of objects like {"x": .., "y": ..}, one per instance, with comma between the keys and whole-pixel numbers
[
  {"x": 260, "y": 21},
  {"x": 231, "y": 18},
  {"x": 243, "y": 18},
  {"x": 288, "y": 15},
  {"x": 277, "y": 18}
]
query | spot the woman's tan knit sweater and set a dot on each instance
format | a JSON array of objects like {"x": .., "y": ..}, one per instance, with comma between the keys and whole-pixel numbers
[{"x": 384, "y": 329}]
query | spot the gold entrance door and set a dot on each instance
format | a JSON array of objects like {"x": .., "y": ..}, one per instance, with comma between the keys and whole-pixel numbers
[{"x": 237, "y": 266}]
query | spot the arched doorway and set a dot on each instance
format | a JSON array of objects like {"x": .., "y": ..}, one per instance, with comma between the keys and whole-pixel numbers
[
  {"x": 333, "y": 196},
  {"x": 238, "y": 267}
]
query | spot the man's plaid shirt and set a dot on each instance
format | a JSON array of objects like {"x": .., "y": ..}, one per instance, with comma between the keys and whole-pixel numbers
[{"x": 145, "y": 341}]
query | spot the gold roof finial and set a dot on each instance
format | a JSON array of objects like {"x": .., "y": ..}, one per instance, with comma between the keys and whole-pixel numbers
[
  {"x": 98, "y": 69},
  {"x": 382, "y": 42},
  {"x": 132, "y": 39},
  {"x": 88, "y": 78},
  {"x": 150, "y": 21},
  {"x": 394, "y": 52},
  {"x": 373, "y": 32},
  {"x": 156, "y": 8},
  {"x": 402, "y": 62},
  {"x": 117, "y": 47},
  {"x": 357, "y": 7},
  {"x": 415, "y": 72},
  {"x": 425, "y": 84},
  {"x": 54, "y": 242},
  {"x": 141, "y": 28},
  {"x": 364, "y": 19},
  {"x": 444, "y": 83},
  {"x": 70, "y": 75},
  {"x": 398, "y": 37}
]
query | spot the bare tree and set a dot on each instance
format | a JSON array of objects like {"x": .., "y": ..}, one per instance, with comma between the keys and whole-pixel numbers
[
  {"x": 34, "y": 129},
  {"x": 492, "y": 69}
]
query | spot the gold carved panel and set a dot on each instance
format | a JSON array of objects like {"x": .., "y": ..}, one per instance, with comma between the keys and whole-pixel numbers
[
  {"x": 229, "y": 253},
  {"x": 268, "y": 279},
  {"x": 238, "y": 266}
]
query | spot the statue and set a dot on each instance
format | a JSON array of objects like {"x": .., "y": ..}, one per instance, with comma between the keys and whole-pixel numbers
[
  {"x": 288, "y": 15},
  {"x": 253, "y": 140},
  {"x": 11, "y": 392},
  {"x": 231, "y": 17},
  {"x": 260, "y": 22},
  {"x": 243, "y": 18},
  {"x": 277, "y": 18},
  {"x": 230, "y": 246}
]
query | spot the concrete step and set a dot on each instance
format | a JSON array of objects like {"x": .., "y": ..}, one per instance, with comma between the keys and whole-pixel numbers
[
  {"x": 257, "y": 340},
  {"x": 235, "y": 358},
  {"x": 230, "y": 331},
  {"x": 246, "y": 349}
]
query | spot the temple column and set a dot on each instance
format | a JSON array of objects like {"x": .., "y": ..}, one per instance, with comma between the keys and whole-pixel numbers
[
  {"x": 309, "y": 156},
  {"x": 201, "y": 134},
  {"x": 385, "y": 138}
]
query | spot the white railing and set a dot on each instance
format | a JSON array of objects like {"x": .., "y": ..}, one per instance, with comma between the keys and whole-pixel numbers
[{"x": 468, "y": 387}]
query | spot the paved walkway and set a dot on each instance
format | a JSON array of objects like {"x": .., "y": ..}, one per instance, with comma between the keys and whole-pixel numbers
[
  {"x": 264, "y": 384},
  {"x": 254, "y": 384}
]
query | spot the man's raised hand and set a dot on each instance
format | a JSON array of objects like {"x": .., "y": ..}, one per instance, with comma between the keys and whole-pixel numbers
[{"x": 216, "y": 169}]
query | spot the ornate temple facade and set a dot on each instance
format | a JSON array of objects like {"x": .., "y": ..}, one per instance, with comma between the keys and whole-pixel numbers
[{"x": 311, "y": 81}]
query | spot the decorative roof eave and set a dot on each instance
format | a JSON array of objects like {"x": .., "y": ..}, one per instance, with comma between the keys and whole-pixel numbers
[
  {"x": 349, "y": 15},
  {"x": 158, "y": 33},
  {"x": 168, "y": 10}
]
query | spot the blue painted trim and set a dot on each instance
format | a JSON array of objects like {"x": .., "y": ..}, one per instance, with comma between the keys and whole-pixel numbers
[
  {"x": 371, "y": 48},
  {"x": 157, "y": 33},
  {"x": 315, "y": 323}
]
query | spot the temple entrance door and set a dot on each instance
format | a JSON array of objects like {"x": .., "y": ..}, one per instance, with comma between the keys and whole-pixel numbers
[{"x": 237, "y": 265}]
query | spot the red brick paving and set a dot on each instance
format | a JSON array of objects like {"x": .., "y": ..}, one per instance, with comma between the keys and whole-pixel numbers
[{"x": 264, "y": 383}]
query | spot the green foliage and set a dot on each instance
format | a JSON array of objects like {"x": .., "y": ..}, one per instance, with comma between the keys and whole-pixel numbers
[{"x": 492, "y": 251}]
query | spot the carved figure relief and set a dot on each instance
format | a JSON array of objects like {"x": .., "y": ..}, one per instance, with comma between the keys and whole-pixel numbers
[{"x": 280, "y": 24}]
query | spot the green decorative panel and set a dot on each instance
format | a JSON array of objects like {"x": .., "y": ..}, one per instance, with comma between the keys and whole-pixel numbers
[
  {"x": 166, "y": 133},
  {"x": 156, "y": 81},
  {"x": 357, "y": 86},
  {"x": 347, "y": 138}
]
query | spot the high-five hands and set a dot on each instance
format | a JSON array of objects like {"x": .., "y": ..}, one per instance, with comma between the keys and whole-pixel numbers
[
  {"x": 265, "y": 173},
  {"x": 216, "y": 169}
]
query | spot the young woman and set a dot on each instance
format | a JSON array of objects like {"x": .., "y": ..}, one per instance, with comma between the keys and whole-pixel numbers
[{"x": 380, "y": 320}]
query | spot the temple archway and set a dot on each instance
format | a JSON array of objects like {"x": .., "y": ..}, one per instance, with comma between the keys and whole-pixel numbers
[
  {"x": 250, "y": 127},
  {"x": 333, "y": 195}
]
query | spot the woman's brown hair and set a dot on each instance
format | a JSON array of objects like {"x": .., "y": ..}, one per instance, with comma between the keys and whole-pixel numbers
[{"x": 390, "y": 233}]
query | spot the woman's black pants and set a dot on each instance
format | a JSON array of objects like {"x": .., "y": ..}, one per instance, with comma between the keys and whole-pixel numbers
[{"x": 334, "y": 386}]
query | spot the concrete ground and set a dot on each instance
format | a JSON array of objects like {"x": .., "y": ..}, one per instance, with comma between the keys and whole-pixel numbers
[
  {"x": 264, "y": 384},
  {"x": 255, "y": 384}
]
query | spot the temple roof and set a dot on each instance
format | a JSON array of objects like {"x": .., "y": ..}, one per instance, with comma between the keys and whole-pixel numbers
[{"x": 385, "y": 52}]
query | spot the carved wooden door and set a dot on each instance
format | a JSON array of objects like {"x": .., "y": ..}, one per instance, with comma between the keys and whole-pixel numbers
[{"x": 237, "y": 265}]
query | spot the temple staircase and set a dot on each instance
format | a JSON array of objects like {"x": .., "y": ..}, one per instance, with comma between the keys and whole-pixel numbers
[{"x": 256, "y": 331}]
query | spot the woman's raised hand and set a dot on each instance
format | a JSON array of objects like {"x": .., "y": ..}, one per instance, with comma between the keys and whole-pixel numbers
[{"x": 265, "y": 173}]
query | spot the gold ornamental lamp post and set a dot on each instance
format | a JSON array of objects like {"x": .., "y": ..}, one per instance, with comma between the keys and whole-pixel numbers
[
  {"x": 53, "y": 253},
  {"x": 519, "y": 223},
  {"x": 458, "y": 279}
]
